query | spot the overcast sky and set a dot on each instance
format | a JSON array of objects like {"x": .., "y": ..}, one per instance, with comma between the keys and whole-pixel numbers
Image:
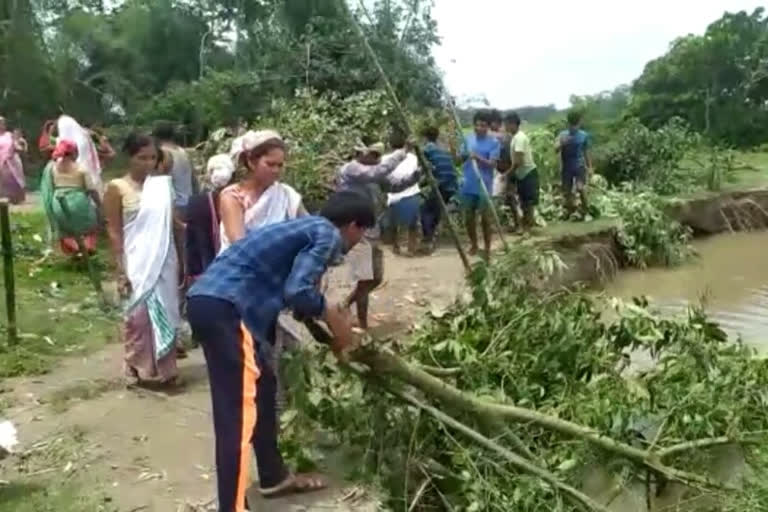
[{"x": 536, "y": 52}]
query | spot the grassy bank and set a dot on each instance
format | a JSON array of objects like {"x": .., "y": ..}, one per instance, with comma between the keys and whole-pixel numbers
[{"x": 58, "y": 311}]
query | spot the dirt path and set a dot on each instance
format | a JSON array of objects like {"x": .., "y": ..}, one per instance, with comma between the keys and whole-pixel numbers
[{"x": 152, "y": 452}]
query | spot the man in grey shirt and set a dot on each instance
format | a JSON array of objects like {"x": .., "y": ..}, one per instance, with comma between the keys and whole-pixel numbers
[
  {"x": 366, "y": 174},
  {"x": 180, "y": 167}
]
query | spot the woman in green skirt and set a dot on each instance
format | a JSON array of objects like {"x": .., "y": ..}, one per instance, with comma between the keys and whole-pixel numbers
[{"x": 70, "y": 200}]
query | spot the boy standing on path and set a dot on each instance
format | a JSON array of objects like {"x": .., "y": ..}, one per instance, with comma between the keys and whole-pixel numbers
[
  {"x": 481, "y": 151},
  {"x": 573, "y": 145},
  {"x": 233, "y": 310},
  {"x": 523, "y": 171}
]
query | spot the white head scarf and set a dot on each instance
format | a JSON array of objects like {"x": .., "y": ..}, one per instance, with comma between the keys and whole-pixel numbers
[
  {"x": 220, "y": 170},
  {"x": 250, "y": 140}
]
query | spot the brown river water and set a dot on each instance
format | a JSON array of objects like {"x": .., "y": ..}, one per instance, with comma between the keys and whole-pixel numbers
[{"x": 730, "y": 275}]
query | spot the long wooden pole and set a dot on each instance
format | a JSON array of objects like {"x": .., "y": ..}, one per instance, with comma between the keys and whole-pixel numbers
[
  {"x": 10, "y": 281},
  {"x": 423, "y": 162},
  {"x": 476, "y": 170}
]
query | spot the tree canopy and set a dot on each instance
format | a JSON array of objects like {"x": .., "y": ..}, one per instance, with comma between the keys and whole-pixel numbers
[
  {"x": 201, "y": 62},
  {"x": 717, "y": 81}
]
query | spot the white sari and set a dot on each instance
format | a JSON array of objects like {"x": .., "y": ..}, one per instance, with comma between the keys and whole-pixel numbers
[
  {"x": 151, "y": 263},
  {"x": 278, "y": 203}
]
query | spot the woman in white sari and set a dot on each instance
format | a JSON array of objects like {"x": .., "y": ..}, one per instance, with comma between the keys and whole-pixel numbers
[
  {"x": 257, "y": 200},
  {"x": 139, "y": 212}
]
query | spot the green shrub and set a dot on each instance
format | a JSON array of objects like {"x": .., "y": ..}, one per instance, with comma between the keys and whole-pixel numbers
[{"x": 652, "y": 157}]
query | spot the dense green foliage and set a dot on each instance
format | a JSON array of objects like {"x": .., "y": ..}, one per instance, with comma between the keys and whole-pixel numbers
[
  {"x": 554, "y": 352},
  {"x": 322, "y": 131},
  {"x": 638, "y": 154},
  {"x": 717, "y": 81},
  {"x": 202, "y": 63}
]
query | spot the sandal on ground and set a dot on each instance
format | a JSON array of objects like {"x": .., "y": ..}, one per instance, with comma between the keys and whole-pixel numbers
[{"x": 295, "y": 484}]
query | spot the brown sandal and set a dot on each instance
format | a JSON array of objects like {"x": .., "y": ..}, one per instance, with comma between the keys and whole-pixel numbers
[{"x": 295, "y": 484}]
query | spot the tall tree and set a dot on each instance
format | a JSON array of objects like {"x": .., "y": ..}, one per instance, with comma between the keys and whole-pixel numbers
[{"x": 718, "y": 81}]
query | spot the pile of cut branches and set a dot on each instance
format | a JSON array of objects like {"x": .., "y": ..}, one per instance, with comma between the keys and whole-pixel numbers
[{"x": 515, "y": 398}]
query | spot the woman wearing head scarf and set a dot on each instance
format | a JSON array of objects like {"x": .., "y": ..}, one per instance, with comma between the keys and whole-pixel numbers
[
  {"x": 259, "y": 198},
  {"x": 202, "y": 239},
  {"x": 139, "y": 211},
  {"x": 70, "y": 200},
  {"x": 12, "y": 180},
  {"x": 87, "y": 154}
]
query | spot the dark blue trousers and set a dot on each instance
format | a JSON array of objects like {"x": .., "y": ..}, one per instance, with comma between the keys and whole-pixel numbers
[
  {"x": 431, "y": 212},
  {"x": 244, "y": 396}
]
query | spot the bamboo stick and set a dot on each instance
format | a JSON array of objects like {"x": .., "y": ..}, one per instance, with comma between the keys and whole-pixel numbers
[
  {"x": 423, "y": 162},
  {"x": 476, "y": 170},
  {"x": 514, "y": 459},
  {"x": 10, "y": 281}
]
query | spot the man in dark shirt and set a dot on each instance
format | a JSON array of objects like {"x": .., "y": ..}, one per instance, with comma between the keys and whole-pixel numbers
[
  {"x": 233, "y": 310},
  {"x": 445, "y": 174}
]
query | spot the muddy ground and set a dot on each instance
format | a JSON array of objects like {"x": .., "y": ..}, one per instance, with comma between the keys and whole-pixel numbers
[{"x": 153, "y": 452}]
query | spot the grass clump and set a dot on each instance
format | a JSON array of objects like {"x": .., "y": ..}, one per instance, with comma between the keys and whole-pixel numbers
[{"x": 57, "y": 309}]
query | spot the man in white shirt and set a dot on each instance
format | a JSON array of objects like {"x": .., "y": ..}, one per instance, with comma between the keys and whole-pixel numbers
[
  {"x": 523, "y": 171},
  {"x": 404, "y": 206}
]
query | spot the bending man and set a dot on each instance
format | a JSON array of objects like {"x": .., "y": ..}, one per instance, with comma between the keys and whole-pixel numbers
[{"x": 233, "y": 310}]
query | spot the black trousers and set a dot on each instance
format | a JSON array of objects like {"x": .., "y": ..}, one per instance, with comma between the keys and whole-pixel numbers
[
  {"x": 431, "y": 213},
  {"x": 244, "y": 396}
]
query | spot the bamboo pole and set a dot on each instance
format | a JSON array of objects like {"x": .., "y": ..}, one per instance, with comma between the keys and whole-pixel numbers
[
  {"x": 476, "y": 170},
  {"x": 423, "y": 162},
  {"x": 10, "y": 281},
  {"x": 461, "y": 137}
]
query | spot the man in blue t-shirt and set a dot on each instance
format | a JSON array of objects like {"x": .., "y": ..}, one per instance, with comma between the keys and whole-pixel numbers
[
  {"x": 443, "y": 168},
  {"x": 573, "y": 145},
  {"x": 480, "y": 153}
]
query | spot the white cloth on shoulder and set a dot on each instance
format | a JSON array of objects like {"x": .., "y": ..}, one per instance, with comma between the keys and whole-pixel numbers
[
  {"x": 405, "y": 170},
  {"x": 278, "y": 203},
  {"x": 151, "y": 264},
  {"x": 87, "y": 155}
]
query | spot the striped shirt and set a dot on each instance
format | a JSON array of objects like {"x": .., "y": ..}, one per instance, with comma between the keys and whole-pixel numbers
[
  {"x": 442, "y": 166},
  {"x": 272, "y": 268}
]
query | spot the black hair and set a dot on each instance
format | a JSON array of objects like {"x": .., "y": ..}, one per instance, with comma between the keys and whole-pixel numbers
[
  {"x": 164, "y": 130},
  {"x": 512, "y": 118},
  {"x": 431, "y": 133},
  {"x": 397, "y": 139},
  {"x": 494, "y": 116},
  {"x": 482, "y": 115},
  {"x": 136, "y": 141},
  {"x": 348, "y": 206},
  {"x": 261, "y": 150},
  {"x": 574, "y": 117}
]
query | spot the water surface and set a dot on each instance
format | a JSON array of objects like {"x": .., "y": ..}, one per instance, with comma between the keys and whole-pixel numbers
[{"x": 730, "y": 275}]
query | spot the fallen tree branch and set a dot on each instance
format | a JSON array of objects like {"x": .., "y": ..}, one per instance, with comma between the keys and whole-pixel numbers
[
  {"x": 511, "y": 457},
  {"x": 384, "y": 363},
  {"x": 708, "y": 443}
]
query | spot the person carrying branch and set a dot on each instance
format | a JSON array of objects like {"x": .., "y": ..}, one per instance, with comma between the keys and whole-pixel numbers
[
  {"x": 480, "y": 153},
  {"x": 233, "y": 309},
  {"x": 365, "y": 175},
  {"x": 573, "y": 145}
]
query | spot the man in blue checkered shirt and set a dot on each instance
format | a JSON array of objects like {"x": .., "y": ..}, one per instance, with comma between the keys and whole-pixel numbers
[{"x": 233, "y": 309}]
